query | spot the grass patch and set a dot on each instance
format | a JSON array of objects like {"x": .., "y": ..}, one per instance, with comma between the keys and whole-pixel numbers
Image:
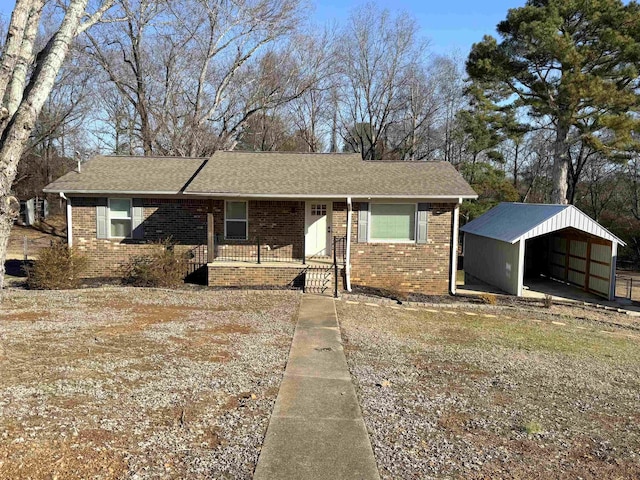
[
  {"x": 518, "y": 332},
  {"x": 530, "y": 336},
  {"x": 532, "y": 428},
  {"x": 549, "y": 400}
]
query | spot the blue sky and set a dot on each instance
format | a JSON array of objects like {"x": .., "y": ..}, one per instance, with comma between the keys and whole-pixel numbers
[{"x": 449, "y": 25}]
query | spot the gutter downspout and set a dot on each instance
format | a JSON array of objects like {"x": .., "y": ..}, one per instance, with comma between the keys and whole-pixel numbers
[
  {"x": 454, "y": 248},
  {"x": 347, "y": 267},
  {"x": 69, "y": 220}
]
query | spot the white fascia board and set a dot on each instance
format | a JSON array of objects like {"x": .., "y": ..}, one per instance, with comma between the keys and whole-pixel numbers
[
  {"x": 447, "y": 198},
  {"x": 452, "y": 198}
]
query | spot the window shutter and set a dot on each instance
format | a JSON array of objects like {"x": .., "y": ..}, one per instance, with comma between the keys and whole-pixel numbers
[
  {"x": 423, "y": 214},
  {"x": 363, "y": 222},
  {"x": 137, "y": 217},
  {"x": 102, "y": 224}
]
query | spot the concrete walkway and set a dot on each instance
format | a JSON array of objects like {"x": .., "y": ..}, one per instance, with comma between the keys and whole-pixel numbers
[{"x": 316, "y": 429}]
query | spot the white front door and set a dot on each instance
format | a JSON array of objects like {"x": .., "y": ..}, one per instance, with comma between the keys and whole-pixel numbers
[{"x": 317, "y": 228}]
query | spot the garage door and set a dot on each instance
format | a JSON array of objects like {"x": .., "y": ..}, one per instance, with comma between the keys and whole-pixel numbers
[{"x": 584, "y": 262}]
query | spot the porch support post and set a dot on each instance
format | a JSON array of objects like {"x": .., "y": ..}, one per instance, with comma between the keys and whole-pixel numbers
[
  {"x": 347, "y": 261},
  {"x": 210, "y": 238}
]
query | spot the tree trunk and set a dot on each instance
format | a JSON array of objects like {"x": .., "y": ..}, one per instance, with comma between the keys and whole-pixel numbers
[
  {"x": 19, "y": 76},
  {"x": 516, "y": 166},
  {"x": 6, "y": 221},
  {"x": 17, "y": 132},
  {"x": 13, "y": 41},
  {"x": 560, "y": 163}
]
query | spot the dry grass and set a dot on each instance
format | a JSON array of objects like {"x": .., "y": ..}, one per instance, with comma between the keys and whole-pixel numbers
[
  {"x": 477, "y": 397},
  {"x": 111, "y": 383}
]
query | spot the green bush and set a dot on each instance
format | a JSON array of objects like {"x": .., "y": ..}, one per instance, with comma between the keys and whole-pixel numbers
[
  {"x": 162, "y": 267},
  {"x": 58, "y": 267}
]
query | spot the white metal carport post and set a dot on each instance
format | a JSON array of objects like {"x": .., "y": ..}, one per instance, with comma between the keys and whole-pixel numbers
[
  {"x": 520, "y": 272},
  {"x": 612, "y": 275}
]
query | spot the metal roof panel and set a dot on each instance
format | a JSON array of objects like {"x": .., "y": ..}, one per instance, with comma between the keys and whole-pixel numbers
[{"x": 511, "y": 222}]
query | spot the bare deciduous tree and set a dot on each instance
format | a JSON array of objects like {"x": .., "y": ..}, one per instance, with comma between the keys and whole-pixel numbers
[
  {"x": 378, "y": 52},
  {"x": 24, "y": 90}
]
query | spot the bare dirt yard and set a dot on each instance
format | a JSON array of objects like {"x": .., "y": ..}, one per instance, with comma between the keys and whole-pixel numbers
[
  {"x": 139, "y": 383},
  {"x": 36, "y": 237},
  {"x": 497, "y": 393}
]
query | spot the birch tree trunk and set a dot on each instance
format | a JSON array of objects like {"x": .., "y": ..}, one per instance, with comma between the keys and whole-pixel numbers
[{"x": 28, "y": 102}]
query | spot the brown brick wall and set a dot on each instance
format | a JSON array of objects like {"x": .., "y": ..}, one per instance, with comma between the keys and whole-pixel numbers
[
  {"x": 279, "y": 224},
  {"x": 183, "y": 220},
  {"x": 404, "y": 266},
  {"x": 254, "y": 276}
]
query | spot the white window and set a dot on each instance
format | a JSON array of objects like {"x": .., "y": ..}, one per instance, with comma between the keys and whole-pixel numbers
[
  {"x": 235, "y": 220},
  {"x": 392, "y": 222},
  {"x": 120, "y": 217}
]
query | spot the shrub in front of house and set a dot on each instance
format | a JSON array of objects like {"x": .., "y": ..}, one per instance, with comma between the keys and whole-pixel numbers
[
  {"x": 58, "y": 267},
  {"x": 161, "y": 267}
]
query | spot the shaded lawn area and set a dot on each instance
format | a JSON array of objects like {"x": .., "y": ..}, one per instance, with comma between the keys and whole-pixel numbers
[
  {"x": 477, "y": 397},
  {"x": 137, "y": 383}
]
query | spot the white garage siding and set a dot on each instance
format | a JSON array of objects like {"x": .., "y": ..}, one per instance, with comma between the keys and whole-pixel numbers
[{"x": 494, "y": 262}]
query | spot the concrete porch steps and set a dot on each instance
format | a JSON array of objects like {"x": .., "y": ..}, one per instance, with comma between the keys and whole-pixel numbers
[{"x": 318, "y": 279}]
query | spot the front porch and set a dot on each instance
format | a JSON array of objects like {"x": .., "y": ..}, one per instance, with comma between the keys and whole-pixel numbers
[
  {"x": 271, "y": 244},
  {"x": 320, "y": 276}
]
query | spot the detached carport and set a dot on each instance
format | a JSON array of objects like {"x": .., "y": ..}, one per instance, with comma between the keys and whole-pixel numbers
[{"x": 514, "y": 241}]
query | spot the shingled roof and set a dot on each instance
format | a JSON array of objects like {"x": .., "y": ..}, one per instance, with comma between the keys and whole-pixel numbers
[
  {"x": 267, "y": 174},
  {"x": 129, "y": 175}
]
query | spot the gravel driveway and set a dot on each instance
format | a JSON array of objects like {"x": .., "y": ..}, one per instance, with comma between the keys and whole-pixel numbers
[
  {"x": 136, "y": 383},
  {"x": 449, "y": 395}
]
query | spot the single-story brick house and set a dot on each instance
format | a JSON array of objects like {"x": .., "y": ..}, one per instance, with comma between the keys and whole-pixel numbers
[{"x": 267, "y": 219}]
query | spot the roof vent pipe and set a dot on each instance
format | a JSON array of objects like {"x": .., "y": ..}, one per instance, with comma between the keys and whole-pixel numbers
[{"x": 79, "y": 160}]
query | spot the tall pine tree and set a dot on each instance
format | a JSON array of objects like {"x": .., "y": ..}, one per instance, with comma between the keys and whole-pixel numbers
[{"x": 573, "y": 64}]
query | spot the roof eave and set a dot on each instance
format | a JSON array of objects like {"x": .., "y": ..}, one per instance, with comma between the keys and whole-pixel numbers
[
  {"x": 455, "y": 197},
  {"x": 107, "y": 192},
  {"x": 253, "y": 195}
]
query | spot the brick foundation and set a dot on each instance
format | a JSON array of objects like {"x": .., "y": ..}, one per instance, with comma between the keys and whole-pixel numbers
[{"x": 256, "y": 276}]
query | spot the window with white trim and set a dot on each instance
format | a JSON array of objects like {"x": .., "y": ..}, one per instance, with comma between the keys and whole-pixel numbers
[
  {"x": 120, "y": 217},
  {"x": 392, "y": 222},
  {"x": 235, "y": 220}
]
